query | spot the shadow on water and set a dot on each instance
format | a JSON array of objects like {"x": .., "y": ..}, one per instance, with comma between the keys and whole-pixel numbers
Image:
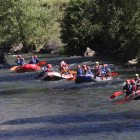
[{"x": 122, "y": 122}]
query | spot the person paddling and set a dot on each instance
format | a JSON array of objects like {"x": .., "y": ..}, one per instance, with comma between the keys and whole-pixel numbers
[
  {"x": 36, "y": 59},
  {"x": 127, "y": 88},
  {"x": 22, "y": 62},
  {"x": 79, "y": 70},
  {"x": 32, "y": 61},
  {"x": 88, "y": 70},
  {"x": 17, "y": 62},
  {"x": 46, "y": 70},
  {"x": 137, "y": 78}
]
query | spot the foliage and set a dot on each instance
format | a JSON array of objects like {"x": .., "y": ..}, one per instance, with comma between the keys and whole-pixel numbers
[
  {"x": 102, "y": 25},
  {"x": 27, "y": 20}
]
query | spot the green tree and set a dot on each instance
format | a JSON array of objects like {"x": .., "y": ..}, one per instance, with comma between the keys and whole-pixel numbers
[{"x": 26, "y": 21}]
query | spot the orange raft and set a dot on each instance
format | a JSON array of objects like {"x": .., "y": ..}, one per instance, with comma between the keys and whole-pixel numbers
[{"x": 28, "y": 67}]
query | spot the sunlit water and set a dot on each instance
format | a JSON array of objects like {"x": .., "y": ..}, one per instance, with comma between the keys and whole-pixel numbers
[{"x": 31, "y": 109}]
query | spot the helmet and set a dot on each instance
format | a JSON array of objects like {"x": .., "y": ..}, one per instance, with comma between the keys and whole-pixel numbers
[
  {"x": 22, "y": 59},
  {"x": 32, "y": 57},
  {"x": 104, "y": 65},
  {"x": 96, "y": 62},
  {"x": 132, "y": 81},
  {"x": 35, "y": 56},
  {"x": 84, "y": 66},
  {"x": 62, "y": 62},
  {"x": 88, "y": 67},
  {"x": 78, "y": 66},
  {"x": 136, "y": 74},
  {"x": 49, "y": 66},
  {"x": 96, "y": 67},
  {"x": 128, "y": 80},
  {"x": 99, "y": 66},
  {"x": 19, "y": 56}
]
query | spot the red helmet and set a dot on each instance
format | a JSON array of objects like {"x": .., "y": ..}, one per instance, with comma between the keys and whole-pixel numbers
[
  {"x": 64, "y": 64},
  {"x": 22, "y": 59},
  {"x": 78, "y": 66},
  {"x": 32, "y": 57},
  {"x": 49, "y": 66},
  {"x": 128, "y": 80},
  {"x": 35, "y": 56},
  {"x": 96, "y": 67},
  {"x": 104, "y": 65},
  {"x": 19, "y": 56},
  {"x": 88, "y": 67},
  {"x": 84, "y": 66},
  {"x": 132, "y": 81}
]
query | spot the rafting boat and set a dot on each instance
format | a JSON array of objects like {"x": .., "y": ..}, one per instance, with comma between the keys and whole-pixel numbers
[
  {"x": 97, "y": 78},
  {"x": 134, "y": 96},
  {"x": 27, "y": 68},
  {"x": 90, "y": 78},
  {"x": 53, "y": 76},
  {"x": 84, "y": 78}
]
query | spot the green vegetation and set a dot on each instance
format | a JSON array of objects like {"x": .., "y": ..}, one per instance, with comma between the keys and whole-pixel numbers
[{"x": 102, "y": 25}]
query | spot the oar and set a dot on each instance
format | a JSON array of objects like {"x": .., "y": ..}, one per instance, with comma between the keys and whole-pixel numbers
[
  {"x": 13, "y": 68},
  {"x": 73, "y": 72},
  {"x": 72, "y": 78},
  {"x": 42, "y": 63},
  {"x": 114, "y": 74},
  {"x": 116, "y": 94}
]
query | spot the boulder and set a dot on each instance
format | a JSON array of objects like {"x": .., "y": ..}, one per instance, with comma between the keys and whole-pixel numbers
[
  {"x": 18, "y": 47},
  {"x": 89, "y": 52}
]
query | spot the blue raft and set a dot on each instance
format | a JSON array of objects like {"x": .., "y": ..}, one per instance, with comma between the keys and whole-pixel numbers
[{"x": 84, "y": 78}]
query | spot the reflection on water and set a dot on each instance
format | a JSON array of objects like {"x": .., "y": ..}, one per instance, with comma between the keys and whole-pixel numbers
[{"x": 34, "y": 109}]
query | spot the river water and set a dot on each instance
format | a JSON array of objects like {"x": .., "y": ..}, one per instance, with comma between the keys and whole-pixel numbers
[{"x": 31, "y": 109}]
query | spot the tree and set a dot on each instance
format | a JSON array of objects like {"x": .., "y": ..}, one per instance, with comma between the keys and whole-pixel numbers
[{"x": 26, "y": 21}]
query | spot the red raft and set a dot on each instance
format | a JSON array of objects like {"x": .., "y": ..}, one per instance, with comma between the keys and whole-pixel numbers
[
  {"x": 134, "y": 96},
  {"x": 28, "y": 67}
]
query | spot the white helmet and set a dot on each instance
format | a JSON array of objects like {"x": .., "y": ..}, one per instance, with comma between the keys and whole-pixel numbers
[{"x": 62, "y": 62}]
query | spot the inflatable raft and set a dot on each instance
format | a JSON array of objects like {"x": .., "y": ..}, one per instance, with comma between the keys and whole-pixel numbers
[
  {"x": 53, "y": 76},
  {"x": 134, "y": 96},
  {"x": 84, "y": 78},
  {"x": 96, "y": 79},
  {"x": 27, "y": 68}
]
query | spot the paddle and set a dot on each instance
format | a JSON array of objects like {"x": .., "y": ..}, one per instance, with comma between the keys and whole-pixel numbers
[
  {"x": 72, "y": 72},
  {"x": 42, "y": 63},
  {"x": 13, "y": 68},
  {"x": 72, "y": 78},
  {"x": 114, "y": 74},
  {"x": 116, "y": 94}
]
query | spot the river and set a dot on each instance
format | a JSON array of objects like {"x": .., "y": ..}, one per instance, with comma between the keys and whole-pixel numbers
[{"x": 32, "y": 109}]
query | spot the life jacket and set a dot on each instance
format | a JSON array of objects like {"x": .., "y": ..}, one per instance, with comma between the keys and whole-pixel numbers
[
  {"x": 49, "y": 70},
  {"x": 79, "y": 71},
  {"x": 89, "y": 72},
  {"x": 134, "y": 87},
  {"x": 68, "y": 67},
  {"x": 32, "y": 61},
  {"x": 108, "y": 69}
]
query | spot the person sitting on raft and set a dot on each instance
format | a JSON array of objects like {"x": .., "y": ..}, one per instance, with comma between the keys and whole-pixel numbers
[
  {"x": 17, "y": 62},
  {"x": 84, "y": 71},
  {"x": 19, "y": 56},
  {"x": 79, "y": 70},
  {"x": 108, "y": 70},
  {"x": 46, "y": 70},
  {"x": 88, "y": 70},
  {"x": 127, "y": 88},
  {"x": 22, "y": 62},
  {"x": 103, "y": 71},
  {"x": 32, "y": 60},
  {"x": 137, "y": 78},
  {"x": 36, "y": 59}
]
